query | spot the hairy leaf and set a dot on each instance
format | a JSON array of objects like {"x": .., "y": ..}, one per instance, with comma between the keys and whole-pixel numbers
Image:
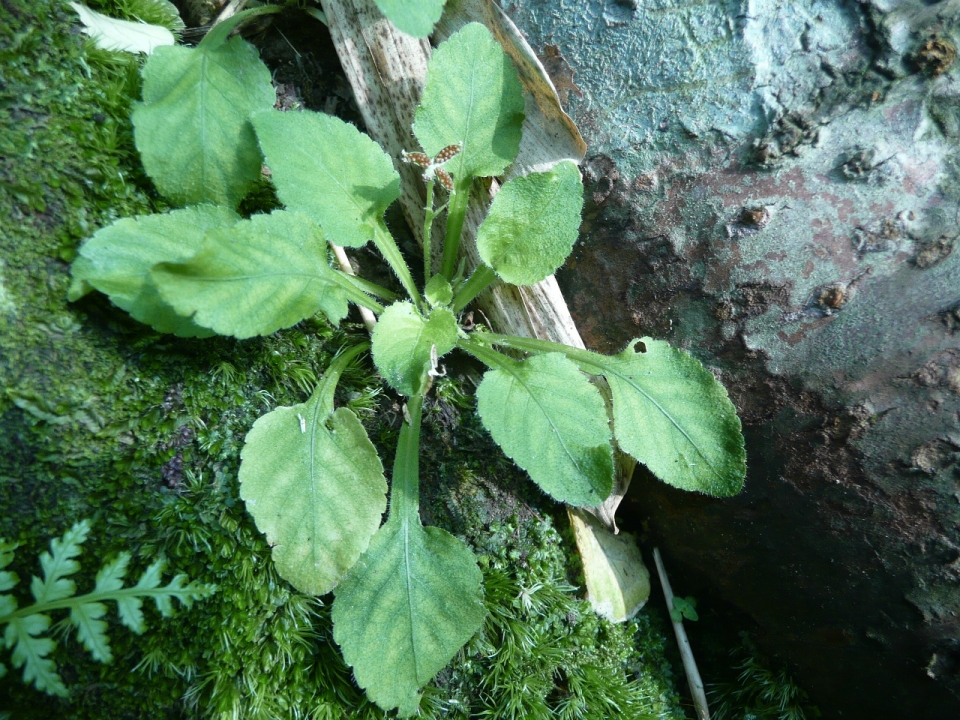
[
  {"x": 314, "y": 485},
  {"x": 438, "y": 291},
  {"x": 403, "y": 342},
  {"x": 329, "y": 170},
  {"x": 672, "y": 414},
  {"x": 193, "y": 128},
  {"x": 413, "y": 599},
  {"x": 472, "y": 96},
  {"x": 408, "y": 605},
  {"x": 532, "y": 224},
  {"x": 262, "y": 274},
  {"x": 117, "y": 261},
  {"x": 549, "y": 418},
  {"x": 414, "y": 17}
]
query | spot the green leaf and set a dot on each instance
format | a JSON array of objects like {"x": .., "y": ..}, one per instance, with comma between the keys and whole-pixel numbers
[
  {"x": 130, "y": 610},
  {"x": 8, "y": 580},
  {"x": 472, "y": 96},
  {"x": 330, "y": 171},
  {"x": 438, "y": 291},
  {"x": 58, "y": 563},
  {"x": 314, "y": 485},
  {"x": 111, "y": 575},
  {"x": 413, "y": 599},
  {"x": 414, "y": 17},
  {"x": 111, "y": 34},
  {"x": 7, "y": 552},
  {"x": 404, "y": 610},
  {"x": 117, "y": 261},
  {"x": 532, "y": 224},
  {"x": 549, "y": 418},
  {"x": 674, "y": 416},
  {"x": 193, "y": 129},
  {"x": 684, "y": 608},
  {"x": 30, "y": 653},
  {"x": 403, "y": 341},
  {"x": 262, "y": 274},
  {"x": 91, "y": 630}
]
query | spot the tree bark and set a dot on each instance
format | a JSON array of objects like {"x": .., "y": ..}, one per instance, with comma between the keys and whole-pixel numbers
[{"x": 774, "y": 187}]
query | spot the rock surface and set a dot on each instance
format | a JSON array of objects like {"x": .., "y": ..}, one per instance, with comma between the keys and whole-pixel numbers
[{"x": 774, "y": 186}]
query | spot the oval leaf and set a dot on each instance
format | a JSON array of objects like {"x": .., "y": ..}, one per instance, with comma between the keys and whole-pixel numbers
[
  {"x": 403, "y": 342},
  {"x": 411, "y": 601},
  {"x": 414, "y": 17},
  {"x": 313, "y": 483},
  {"x": 263, "y": 274},
  {"x": 193, "y": 129},
  {"x": 117, "y": 261},
  {"x": 532, "y": 224},
  {"x": 672, "y": 414},
  {"x": 330, "y": 171},
  {"x": 472, "y": 96},
  {"x": 549, "y": 418}
]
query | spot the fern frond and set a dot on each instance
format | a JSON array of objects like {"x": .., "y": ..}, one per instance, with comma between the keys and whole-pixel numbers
[
  {"x": 59, "y": 563},
  {"x": 30, "y": 652},
  {"x": 25, "y": 626}
]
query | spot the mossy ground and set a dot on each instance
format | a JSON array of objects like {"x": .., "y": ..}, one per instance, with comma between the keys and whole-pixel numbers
[{"x": 102, "y": 418}]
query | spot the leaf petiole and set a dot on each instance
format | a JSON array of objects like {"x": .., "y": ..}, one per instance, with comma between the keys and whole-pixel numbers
[
  {"x": 429, "y": 214},
  {"x": 482, "y": 278},
  {"x": 456, "y": 214},
  {"x": 487, "y": 355},
  {"x": 371, "y": 288},
  {"x": 581, "y": 357},
  {"x": 222, "y": 30},
  {"x": 405, "y": 482},
  {"x": 354, "y": 292},
  {"x": 391, "y": 253},
  {"x": 328, "y": 384}
]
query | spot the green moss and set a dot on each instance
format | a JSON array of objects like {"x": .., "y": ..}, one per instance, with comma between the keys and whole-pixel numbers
[
  {"x": 103, "y": 418},
  {"x": 760, "y": 692}
]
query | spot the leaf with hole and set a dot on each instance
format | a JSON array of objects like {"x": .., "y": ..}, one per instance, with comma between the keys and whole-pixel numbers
[
  {"x": 549, "y": 418},
  {"x": 532, "y": 224},
  {"x": 262, "y": 274},
  {"x": 193, "y": 128},
  {"x": 472, "y": 96},
  {"x": 117, "y": 261},
  {"x": 330, "y": 171},
  {"x": 674, "y": 416},
  {"x": 313, "y": 482}
]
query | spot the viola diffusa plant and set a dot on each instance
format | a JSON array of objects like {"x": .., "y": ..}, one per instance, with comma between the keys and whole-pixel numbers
[{"x": 407, "y": 597}]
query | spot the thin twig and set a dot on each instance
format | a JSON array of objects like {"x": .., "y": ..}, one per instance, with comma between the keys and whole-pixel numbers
[
  {"x": 231, "y": 9},
  {"x": 686, "y": 652},
  {"x": 369, "y": 319}
]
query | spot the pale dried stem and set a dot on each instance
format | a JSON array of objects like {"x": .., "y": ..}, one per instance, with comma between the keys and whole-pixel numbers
[
  {"x": 686, "y": 652},
  {"x": 369, "y": 319}
]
